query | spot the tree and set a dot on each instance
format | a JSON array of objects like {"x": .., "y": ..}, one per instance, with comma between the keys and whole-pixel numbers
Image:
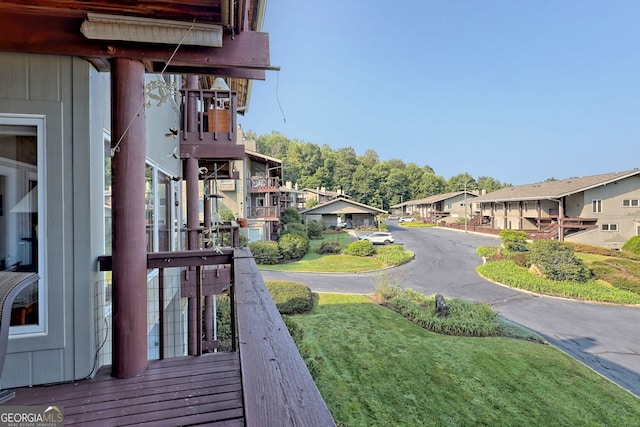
[{"x": 461, "y": 182}]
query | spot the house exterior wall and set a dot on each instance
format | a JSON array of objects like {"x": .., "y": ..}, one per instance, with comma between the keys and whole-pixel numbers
[
  {"x": 625, "y": 218},
  {"x": 61, "y": 88},
  {"x": 75, "y": 101}
]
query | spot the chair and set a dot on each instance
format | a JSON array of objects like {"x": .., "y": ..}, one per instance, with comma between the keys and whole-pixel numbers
[{"x": 11, "y": 284}]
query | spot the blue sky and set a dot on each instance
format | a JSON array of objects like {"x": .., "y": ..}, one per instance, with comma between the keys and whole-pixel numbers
[{"x": 517, "y": 90}]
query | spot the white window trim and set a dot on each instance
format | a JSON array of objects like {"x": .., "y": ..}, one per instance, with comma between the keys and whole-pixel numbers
[
  {"x": 39, "y": 122},
  {"x": 631, "y": 205},
  {"x": 608, "y": 225},
  {"x": 600, "y": 206}
]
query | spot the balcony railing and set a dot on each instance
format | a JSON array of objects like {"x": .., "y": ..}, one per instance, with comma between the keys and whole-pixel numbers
[
  {"x": 267, "y": 212},
  {"x": 263, "y": 184},
  {"x": 209, "y": 125},
  {"x": 276, "y": 384}
]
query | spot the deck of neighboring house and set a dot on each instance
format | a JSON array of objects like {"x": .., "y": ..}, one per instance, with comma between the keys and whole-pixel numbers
[
  {"x": 263, "y": 383},
  {"x": 191, "y": 390}
]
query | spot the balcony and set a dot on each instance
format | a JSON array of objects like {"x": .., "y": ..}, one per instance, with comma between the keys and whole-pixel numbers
[
  {"x": 259, "y": 184},
  {"x": 260, "y": 381},
  {"x": 265, "y": 212},
  {"x": 209, "y": 125}
]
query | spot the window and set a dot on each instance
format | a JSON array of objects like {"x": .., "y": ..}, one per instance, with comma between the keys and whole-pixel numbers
[
  {"x": 597, "y": 206},
  {"x": 158, "y": 209},
  {"x": 631, "y": 203},
  {"x": 525, "y": 206},
  {"x": 609, "y": 227},
  {"x": 22, "y": 239}
]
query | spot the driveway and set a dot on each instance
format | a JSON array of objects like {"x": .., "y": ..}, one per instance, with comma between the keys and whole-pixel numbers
[{"x": 604, "y": 337}]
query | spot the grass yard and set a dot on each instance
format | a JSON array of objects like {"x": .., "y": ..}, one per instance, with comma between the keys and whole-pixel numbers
[
  {"x": 379, "y": 369},
  {"x": 313, "y": 262}
]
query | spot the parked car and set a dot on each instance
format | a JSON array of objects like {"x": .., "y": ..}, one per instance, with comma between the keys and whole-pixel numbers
[
  {"x": 379, "y": 238},
  {"x": 393, "y": 217},
  {"x": 407, "y": 219}
]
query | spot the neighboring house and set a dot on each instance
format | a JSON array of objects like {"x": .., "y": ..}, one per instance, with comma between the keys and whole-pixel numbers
[
  {"x": 259, "y": 193},
  {"x": 292, "y": 197},
  {"x": 601, "y": 210},
  {"x": 448, "y": 207},
  {"x": 343, "y": 210},
  {"x": 322, "y": 195}
]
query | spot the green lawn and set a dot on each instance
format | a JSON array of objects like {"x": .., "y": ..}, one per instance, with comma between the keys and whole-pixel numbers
[
  {"x": 313, "y": 262},
  {"x": 379, "y": 369}
]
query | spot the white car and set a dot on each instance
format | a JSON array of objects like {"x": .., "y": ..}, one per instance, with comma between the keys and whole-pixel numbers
[
  {"x": 407, "y": 219},
  {"x": 393, "y": 217},
  {"x": 379, "y": 238}
]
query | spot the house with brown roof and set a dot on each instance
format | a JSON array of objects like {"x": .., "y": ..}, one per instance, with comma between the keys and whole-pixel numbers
[
  {"x": 601, "y": 210},
  {"x": 342, "y": 210},
  {"x": 447, "y": 207}
]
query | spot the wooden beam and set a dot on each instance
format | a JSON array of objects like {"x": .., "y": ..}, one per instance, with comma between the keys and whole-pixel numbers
[
  {"x": 60, "y": 35},
  {"x": 184, "y": 10}
]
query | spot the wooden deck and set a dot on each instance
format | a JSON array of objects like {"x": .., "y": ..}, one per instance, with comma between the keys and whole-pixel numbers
[
  {"x": 263, "y": 384},
  {"x": 182, "y": 391}
]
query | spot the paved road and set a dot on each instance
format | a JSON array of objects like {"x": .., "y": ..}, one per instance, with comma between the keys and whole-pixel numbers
[{"x": 604, "y": 337}]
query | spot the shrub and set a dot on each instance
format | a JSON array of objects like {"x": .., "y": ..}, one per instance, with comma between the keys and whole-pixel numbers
[
  {"x": 296, "y": 228},
  {"x": 290, "y": 215},
  {"x": 521, "y": 259},
  {"x": 293, "y": 246},
  {"x": 329, "y": 248},
  {"x": 557, "y": 261},
  {"x": 391, "y": 255},
  {"x": 360, "y": 248},
  {"x": 315, "y": 229},
  {"x": 464, "y": 318},
  {"x": 514, "y": 240},
  {"x": 632, "y": 245},
  {"x": 265, "y": 252},
  {"x": 223, "y": 318},
  {"x": 488, "y": 251},
  {"x": 290, "y": 297}
]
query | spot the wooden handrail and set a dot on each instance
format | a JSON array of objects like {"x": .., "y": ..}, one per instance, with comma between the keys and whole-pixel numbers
[{"x": 278, "y": 388}]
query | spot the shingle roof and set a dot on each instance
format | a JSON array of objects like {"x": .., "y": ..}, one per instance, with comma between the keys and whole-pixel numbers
[
  {"x": 554, "y": 189},
  {"x": 438, "y": 198}
]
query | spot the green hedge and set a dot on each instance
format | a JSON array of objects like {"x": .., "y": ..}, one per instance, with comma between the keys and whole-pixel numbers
[
  {"x": 290, "y": 297},
  {"x": 293, "y": 246},
  {"x": 265, "y": 252},
  {"x": 360, "y": 248}
]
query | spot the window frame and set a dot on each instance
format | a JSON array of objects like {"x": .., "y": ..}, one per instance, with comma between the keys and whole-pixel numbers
[
  {"x": 37, "y": 121},
  {"x": 609, "y": 227},
  {"x": 597, "y": 206}
]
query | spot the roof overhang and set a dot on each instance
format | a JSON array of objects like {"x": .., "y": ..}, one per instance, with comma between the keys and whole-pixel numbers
[{"x": 220, "y": 38}]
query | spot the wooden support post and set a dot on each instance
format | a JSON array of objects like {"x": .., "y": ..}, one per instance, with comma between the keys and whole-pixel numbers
[{"x": 128, "y": 141}]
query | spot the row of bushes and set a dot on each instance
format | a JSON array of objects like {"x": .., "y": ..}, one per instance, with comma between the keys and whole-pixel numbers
[{"x": 463, "y": 318}]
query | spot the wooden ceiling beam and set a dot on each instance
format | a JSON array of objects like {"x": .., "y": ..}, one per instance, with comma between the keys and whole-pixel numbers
[
  {"x": 207, "y": 11},
  {"x": 61, "y": 36}
]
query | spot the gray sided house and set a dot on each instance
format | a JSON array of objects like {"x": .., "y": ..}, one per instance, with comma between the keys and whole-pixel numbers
[
  {"x": 448, "y": 207},
  {"x": 601, "y": 210},
  {"x": 340, "y": 210}
]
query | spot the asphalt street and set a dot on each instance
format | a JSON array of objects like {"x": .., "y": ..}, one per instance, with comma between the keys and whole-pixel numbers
[{"x": 604, "y": 337}]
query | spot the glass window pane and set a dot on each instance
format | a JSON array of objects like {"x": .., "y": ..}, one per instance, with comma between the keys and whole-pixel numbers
[
  {"x": 149, "y": 200},
  {"x": 19, "y": 214}
]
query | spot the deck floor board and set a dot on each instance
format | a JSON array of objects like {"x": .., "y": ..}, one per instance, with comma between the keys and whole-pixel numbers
[{"x": 174, "y": 392}]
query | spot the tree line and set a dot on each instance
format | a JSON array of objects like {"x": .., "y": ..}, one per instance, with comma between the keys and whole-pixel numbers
[{"x": 365, "y": 178}]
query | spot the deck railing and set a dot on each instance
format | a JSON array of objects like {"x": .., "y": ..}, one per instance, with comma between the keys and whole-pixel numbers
[{"x": 276, "y": 383}]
